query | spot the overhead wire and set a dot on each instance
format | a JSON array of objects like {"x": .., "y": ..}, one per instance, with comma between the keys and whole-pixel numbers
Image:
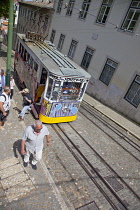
[
  {"x": 90, "y": 10},
  {"x": 75, "y": 13},
  {"x": 116, "y": 26}
]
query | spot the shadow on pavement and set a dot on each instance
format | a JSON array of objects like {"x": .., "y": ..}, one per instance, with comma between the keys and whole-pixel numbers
[
  {"x": 17, "y": 148},
  {"x": 17, "y": 109}
]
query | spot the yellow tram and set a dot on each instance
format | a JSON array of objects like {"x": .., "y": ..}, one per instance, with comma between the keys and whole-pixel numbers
[{"x": 57, "y": 84}]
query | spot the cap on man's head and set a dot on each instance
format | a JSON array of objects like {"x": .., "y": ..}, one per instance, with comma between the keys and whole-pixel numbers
[{"x": 25, "y": 90}]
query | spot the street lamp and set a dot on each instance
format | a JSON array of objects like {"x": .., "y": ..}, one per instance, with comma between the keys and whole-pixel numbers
[{"x": 1, "y": 41}]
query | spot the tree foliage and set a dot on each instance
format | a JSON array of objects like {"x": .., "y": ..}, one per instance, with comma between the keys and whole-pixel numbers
[{"x": 4, "y": 8}]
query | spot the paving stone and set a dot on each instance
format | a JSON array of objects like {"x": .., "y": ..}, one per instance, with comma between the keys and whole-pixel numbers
[
  {"x": 14, "y": 180},
  {"x": 10, "y": 171},
  {"x": 8, "y": 162},
  {"x": 19, "y": 190}
]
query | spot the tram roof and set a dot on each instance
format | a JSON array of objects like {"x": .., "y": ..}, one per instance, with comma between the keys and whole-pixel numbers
[{"x": 55, "y": 62}]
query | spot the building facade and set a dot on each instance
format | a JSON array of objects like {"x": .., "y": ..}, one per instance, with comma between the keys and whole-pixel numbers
[
  {"x": 103, "y": 37},
  {"x": 35, "y": 16}
]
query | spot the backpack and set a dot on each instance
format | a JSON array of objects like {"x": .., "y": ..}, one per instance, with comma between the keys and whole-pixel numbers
[
  {"x": 5, "y": 99},
  {"x": 3, "y": 96}
]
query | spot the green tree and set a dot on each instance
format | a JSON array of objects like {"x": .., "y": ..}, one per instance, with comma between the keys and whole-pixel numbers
[{"x": 4, "y": 8}]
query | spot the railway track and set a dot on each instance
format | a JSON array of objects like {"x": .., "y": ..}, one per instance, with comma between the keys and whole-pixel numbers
[
  {"x": 116, "y": 133},
  {"x": 112, "y": 184}
]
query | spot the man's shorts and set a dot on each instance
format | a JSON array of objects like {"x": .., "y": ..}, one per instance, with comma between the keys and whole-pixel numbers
[{"x": 2, "y": 117}]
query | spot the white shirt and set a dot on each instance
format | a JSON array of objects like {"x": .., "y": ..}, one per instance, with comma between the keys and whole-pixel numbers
[
  {"x": 34, "y": 142},
  {"x": 12, "y": 84},
  {"x": 2, "y": 81},
  {"x": 6, "y": 102}
]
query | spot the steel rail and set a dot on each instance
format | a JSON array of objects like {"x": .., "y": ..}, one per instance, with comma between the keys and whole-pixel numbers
[
  {"x": 104, "y": 161},
  {"x": 89, "y": 173},
  {"x": 110, "y": 136}
]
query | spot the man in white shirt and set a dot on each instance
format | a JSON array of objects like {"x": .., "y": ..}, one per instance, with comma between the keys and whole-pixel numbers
[
  {"x": 2, "y": 80},
  {"x": 4, "y": 105},
  {"x": 33, "y": 139}
]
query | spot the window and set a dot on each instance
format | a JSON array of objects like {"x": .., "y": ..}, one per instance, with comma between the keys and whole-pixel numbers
[
  {"x": 108, "y": 71},
  {"x": 72, "y": 49},
  {"x": 31, "y": 62},
  {"x": 45, "y": 23},
  {"x": 70, "y": 7},
  {"x": 70, "y": 90},
  {"x": 49, "y": 90},
  {"x": 59, "y": 7},
  {"x": 25, "y": 13},
  {"x": 20, "y": 9},
  {"x": 25, "y": 55},
  {"x": 132, "y": 16},
  {"x": 56, "y": 89},
  {"x": 43, "y": 76},
  {"x": 104, "y": 11},
  {"x": 34, "y": 19},
  {"x": 35, "y": 66},
  {"x": 87, "y": 58},
  {"x": 29, "y": 15},
  {"x": 39, "y": 24},
  {"x": 85, "y": 7},
  {"x": 133, "y": 94},
  {"x": 61, "y": 41},
  {"x": 17, "y": 45},
  {"x": 52, "y": 36}
]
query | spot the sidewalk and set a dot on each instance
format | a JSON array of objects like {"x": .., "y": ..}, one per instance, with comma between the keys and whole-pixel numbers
[
  {"x": 129, "y": 126},
  {"x": 23, "y": 188},
  {"x": 29, "y": 189}
]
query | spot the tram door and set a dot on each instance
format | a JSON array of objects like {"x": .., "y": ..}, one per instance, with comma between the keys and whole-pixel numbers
[{"x": 41, "y": 85}]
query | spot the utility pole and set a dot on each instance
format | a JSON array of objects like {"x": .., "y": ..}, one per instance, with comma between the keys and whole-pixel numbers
[{"x": 10, "y": 35}]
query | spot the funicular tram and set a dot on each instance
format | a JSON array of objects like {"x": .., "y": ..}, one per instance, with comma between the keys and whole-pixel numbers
[{"x": 57, "y": 85}]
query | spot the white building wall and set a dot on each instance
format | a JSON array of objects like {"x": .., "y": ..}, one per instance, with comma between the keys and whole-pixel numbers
[{"x": 122, "y": 47}]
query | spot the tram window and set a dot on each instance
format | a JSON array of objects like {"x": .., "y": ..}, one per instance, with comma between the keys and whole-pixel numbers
[
  {"x": 17, "y": 45},
  {"x": 20, "y": 48},
  {"x": 22, "y": 52},
  {"x": 25, "y": 53},
  {"x": 31, "y": 62},
  {"x": 43, "y": 76},
  {"x": 28, "y": 57},
  {"x": 56, "y": 89},
  {"x": 67, "y": 85},
  {"x": 70, "y": 90},
  {"x": 35, "y": 66},
  {"x": 49, "y": 88},
  {"x": 83, "y": 90}
]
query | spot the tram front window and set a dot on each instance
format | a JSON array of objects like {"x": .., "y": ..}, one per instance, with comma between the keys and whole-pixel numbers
[
  {"x": 55, "y": 91},
  {"x": 70, "y": 91},
  {"x": 49, "y": 88}
]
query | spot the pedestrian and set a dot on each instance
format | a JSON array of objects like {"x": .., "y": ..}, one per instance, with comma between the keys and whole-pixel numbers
[
  {"x": 12, "y": 84},
  {"x": 4, "y": 105},
  {"x": 33, "y": 140},
  {"x": 27, "y": 100},
  {"x": 2, "y": 80}
]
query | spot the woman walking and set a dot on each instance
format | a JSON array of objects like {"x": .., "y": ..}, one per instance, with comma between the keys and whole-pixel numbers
[{"x": 12, "y": 84}]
